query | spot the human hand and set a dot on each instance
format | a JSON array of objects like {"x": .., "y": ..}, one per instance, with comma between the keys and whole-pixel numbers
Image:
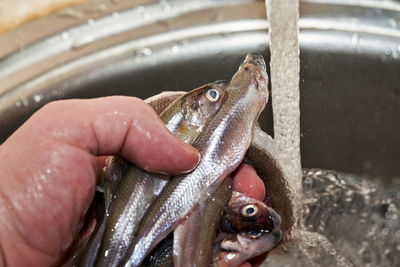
[{"x": 49, "y": 167}]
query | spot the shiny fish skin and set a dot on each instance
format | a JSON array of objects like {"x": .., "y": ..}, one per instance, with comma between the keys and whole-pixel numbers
[
  {"x": 263, "y": 156},
  {"x": 185, "y": 117},
  {"x": 222, "y": 145},
  {"x": 194, "y": 238}
]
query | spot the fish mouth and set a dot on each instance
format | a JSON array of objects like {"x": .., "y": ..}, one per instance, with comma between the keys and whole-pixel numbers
[{"x": 255, "y": 59}]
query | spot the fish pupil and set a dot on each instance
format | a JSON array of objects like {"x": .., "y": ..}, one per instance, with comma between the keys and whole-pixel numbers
[
  {"x": 250, "y": 211},
  {"x": 213, "y": 93}
]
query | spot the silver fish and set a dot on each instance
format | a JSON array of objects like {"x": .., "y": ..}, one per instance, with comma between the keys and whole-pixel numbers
[
  {"x": 185, "y": 117},
  {"x": 222, "y": 145}
]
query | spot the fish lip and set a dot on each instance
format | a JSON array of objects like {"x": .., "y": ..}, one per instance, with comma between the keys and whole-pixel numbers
[
  {"x": 255, "y": 59},
  {"x": 276, "y": 219}
]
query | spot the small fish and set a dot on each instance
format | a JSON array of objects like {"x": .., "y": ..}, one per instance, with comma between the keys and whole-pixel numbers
[
  {"x": 235, "y": 249},
  {"x": 185, "y": 117},
  {"x": 162, "y": 254},
  {"x": 222, "y": 145}
]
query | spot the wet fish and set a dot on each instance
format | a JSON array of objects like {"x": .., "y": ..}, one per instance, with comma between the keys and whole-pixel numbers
[
  {"x": 194, "y": 238},
  {"x": 232, "y": 216},
  {"x": 235, "y": 249},
  {"x": 222, "y": 145},
  {"x": 263, "y": 156},
  {"x": 185, "y": 117}
]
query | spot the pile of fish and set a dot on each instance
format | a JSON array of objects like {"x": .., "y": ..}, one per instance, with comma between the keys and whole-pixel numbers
[{"x": 194, "y": 219}]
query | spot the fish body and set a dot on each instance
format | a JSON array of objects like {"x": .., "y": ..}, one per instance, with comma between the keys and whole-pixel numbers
[
  {"x": 222, "y": 145},
  {"x": 185, "y": 117},
  {"x": 194, "y": 238}
]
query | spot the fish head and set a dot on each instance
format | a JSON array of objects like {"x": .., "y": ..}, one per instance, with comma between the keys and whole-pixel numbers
[
  {"x": 253, "y": 70},
  {"x": 252, "y": 78},
  {"x": 200, "y": 104},
  {"x": 244, "y": 213}
]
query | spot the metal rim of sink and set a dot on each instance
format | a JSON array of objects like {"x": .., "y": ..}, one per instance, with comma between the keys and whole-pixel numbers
[{"x": 345, "y": 45}]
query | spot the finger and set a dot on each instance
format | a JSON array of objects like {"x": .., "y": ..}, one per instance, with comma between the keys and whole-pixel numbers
[
  {"x": 246, "y": 181},
  {"x": 111, "y": 125}
]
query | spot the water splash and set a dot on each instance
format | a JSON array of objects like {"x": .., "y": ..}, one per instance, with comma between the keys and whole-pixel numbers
[{"x": 361, "y": 232}]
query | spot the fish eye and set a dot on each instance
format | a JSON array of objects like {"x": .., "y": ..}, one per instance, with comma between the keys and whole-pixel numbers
[
  {"x": 254, "y": 234},
  {"x": 249, "y": 210},
  {"x": 212, "y": 95}
]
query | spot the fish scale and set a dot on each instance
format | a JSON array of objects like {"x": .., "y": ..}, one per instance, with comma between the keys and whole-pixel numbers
[{"x": 244, "y": 99}]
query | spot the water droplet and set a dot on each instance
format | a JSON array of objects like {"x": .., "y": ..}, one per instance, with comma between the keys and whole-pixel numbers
[
  {"x": 348, "y": 199},
  {"x": 397, "y": 233},
  {"x": 106, "y": 253},
  {"x": 388, "y": 51},
  {"x": 91, "y": 22},
  {"x": 48, "y": 171},
  {"x": 18, "y": 104},
  {"x": 385, "y": 231},
  {"x": 175, "y": 49},
  {"x": 25, "y": 102},
  {"x": 65, "y": 35},
  {"x": 37, "y": 98},
  {"x": 386, "y": 251},
  {"x": 143, "y": 52}
]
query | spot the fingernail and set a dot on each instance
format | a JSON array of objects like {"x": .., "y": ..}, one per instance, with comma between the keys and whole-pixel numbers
[{"x": 197, "y": 163}]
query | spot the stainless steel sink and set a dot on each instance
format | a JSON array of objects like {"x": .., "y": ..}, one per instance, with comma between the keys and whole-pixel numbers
[{"x": 350, "y": 67}]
